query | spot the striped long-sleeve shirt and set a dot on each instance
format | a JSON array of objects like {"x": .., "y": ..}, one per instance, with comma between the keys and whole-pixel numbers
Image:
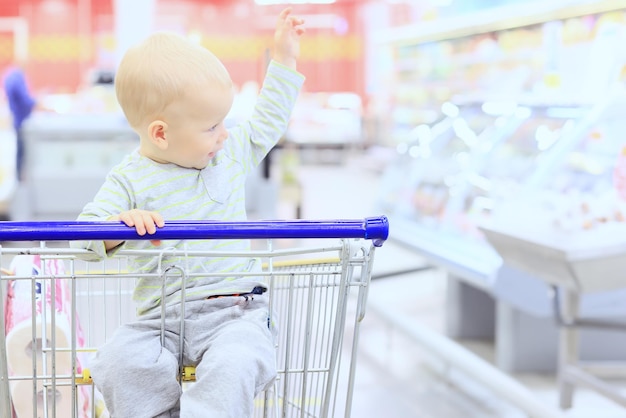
[{"x": 216, "y": 192}]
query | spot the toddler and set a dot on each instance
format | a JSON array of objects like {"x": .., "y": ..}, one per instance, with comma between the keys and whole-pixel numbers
[{"x": 188, "y": 166}]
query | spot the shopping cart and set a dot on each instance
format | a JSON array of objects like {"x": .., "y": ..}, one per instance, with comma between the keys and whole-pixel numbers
[{"x": 59, "y": 308}]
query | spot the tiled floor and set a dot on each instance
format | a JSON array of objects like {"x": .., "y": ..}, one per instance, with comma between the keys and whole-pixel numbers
[{"x": 397, "y": 377}]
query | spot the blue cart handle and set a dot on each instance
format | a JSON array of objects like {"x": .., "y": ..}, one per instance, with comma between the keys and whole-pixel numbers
[{"x": 374, "y": 228}]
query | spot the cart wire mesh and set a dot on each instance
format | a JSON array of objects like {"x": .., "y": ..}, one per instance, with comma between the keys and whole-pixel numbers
[{"x": 318, "y": 293}]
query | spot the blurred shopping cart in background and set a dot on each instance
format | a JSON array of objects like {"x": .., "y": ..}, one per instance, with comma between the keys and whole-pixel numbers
[{"x": 58, "y": 309}]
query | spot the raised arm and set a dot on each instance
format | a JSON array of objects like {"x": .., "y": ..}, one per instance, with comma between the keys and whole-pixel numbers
[{"x": 268, "y": 123}]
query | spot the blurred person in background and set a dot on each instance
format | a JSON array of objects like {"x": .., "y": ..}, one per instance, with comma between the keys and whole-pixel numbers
[{"x": 21, "y": 104}]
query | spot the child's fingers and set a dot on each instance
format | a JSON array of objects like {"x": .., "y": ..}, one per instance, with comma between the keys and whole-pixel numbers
[
  {"x": 151, "y": 220},
  {"x": 148, "y": 223},
  {"x": 285, "y": 12},
  {"x": 137, "y": 221},
  {"x": 143, "y": 221},
  {"x": 127, "y": 218},
  {"x": 296, "y": 21},
  {"x": 158, "y": 219}
]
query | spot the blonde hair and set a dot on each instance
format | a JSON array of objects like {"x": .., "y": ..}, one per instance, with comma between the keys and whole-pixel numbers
[{"x": 159, "y": 70}]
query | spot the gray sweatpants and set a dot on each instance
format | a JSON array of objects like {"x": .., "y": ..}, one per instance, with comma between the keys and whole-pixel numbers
[{"x": 228, "y": 341}]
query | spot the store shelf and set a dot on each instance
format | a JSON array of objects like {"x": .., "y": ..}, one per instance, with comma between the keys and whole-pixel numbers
[{"x": 495, "y": 19}]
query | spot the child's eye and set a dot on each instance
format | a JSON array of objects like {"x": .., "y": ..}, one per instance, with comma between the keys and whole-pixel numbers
[{"x": 214, "y": 127}]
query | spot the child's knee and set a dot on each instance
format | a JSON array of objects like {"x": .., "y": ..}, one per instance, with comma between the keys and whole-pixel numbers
[{"x": 117, "y": 360}]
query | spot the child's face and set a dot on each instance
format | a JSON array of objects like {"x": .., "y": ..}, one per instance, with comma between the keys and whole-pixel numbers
[{"x": 196, "y": 130}]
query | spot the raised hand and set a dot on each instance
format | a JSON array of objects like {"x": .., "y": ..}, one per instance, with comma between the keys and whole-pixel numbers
[{"x": 287, "y": 38}]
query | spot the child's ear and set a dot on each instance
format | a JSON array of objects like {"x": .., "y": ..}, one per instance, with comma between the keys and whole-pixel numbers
[{"x": 157, "y": 131}]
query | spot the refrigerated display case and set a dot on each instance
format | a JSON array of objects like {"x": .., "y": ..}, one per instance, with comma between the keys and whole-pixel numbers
[
  {"x": 68, "y": 157},
  {"x": 573, "y": 187},
  {"x": 326, "y": 119},
  {"x": 554, "y": 153},
  {"x": 557, "y": 67},
  {"x": 471, "y": 134},
  {"x": 508, "y": 167},
  {"x": 567, "y": 241},
  {"x": 417, "y": 185},
  {"x": 573, "y": 198},
  {"x": 441, "y": 189}
]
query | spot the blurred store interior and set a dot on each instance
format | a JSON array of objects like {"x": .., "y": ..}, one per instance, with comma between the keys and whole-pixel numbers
[{"x": 491, "y": 133}]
